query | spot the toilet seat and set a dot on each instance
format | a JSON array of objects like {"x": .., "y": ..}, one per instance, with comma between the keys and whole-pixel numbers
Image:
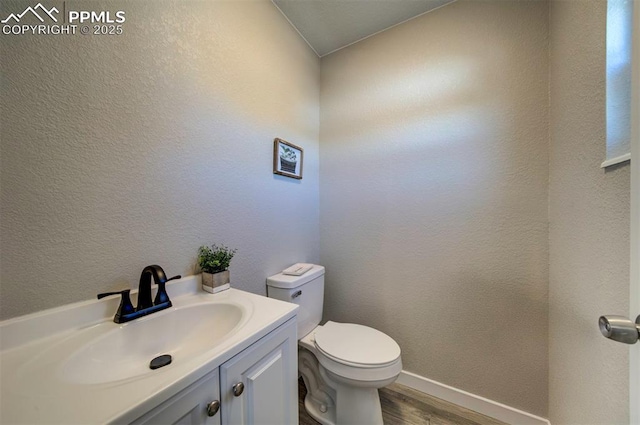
[
  {"x": 356, "y": 345},
  {"x": 356, "y": 367}
]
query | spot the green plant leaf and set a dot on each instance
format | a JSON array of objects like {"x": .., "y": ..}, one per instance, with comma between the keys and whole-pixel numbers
[{"x": 215, "y": 259}]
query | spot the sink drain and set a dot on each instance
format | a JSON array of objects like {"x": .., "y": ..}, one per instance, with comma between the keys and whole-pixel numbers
[{"x": 160, "y": 361}]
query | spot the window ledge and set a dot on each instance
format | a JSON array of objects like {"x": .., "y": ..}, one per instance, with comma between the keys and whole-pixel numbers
[{"x": 616, "y": 160}]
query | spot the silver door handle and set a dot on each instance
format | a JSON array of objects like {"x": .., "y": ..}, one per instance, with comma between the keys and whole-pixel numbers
[
  {"x": 619, "y": 328},
  {"x": 213, "y": 407},
  {"x": 238, "y": 389}
]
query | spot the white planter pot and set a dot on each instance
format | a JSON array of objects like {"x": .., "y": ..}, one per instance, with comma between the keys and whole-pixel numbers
[{"x": 215, "y": 282}]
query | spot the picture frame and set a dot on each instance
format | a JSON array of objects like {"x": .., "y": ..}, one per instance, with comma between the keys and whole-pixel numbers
[{"x": 287, "y": 159}]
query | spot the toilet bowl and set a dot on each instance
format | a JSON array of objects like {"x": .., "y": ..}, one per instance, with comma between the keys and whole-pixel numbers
[
  {"x": 351, "y": 363},
  {"x": 342, "y": 364}
]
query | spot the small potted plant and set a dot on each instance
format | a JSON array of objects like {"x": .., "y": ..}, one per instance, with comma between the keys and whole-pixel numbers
[{"x": 214, "y": 262}]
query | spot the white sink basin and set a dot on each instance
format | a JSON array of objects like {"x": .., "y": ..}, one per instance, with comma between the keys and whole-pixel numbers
[
  {"x": 115, "y": 354},
  {"x": 124, "y": 352}
]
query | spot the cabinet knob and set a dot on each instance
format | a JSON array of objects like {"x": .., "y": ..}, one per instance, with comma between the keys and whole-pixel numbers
[
  {"x": 238, "y": 389},
  {"x": 213, "y": 407}
]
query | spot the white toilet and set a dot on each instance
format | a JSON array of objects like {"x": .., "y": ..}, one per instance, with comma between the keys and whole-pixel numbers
[{"x": 342, "y": 364}]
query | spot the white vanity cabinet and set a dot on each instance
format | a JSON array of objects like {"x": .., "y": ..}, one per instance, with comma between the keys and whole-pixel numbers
[
  {"x": 193, "y": 405},
  {"x": 258, "y": 386}
]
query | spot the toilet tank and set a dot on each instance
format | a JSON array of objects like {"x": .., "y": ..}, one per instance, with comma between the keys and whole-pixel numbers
[{"x": 306, "y": 290}]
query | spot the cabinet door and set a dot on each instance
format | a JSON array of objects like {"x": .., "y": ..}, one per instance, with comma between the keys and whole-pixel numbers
[
  {"x": 268, "y": 372},
  {"x": 191, "y": 406}
]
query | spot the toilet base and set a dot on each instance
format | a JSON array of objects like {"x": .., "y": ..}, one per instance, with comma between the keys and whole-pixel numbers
[
  {"x": 325, "y": 418},
  {"x": 320, "y": 399},
  {"x": 331, "y": 402},
  {"x": 364, "y": 413},
  {"x": 355, "y": 405}
]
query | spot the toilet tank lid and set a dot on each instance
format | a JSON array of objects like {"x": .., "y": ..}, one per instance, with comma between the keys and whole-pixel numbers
[{"x": 288, "y": 281}]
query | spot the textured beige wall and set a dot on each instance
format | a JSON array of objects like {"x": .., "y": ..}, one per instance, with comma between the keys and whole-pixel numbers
[
  {"x": 433, "y": 194},
  {"x": 589, "y": 227},
  {"x": 124, "y": 151}
]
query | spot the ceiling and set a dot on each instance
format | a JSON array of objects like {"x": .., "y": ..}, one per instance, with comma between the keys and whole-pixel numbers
[{"x": 329, "y": 25}]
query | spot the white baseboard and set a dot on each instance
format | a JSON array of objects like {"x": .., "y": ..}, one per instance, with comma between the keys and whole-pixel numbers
[{"x": 470, "y": 401}]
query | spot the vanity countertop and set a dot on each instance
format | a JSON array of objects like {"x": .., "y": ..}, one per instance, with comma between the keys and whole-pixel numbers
[{"x": 42, "y": 356}]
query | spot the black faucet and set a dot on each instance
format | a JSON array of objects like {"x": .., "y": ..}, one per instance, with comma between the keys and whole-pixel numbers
[
  {"x": 126, "y": 312},
  {"x": 144, "y": 288}
]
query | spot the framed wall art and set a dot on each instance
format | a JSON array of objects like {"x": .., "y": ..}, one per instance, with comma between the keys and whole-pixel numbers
[{"x": 287, "y": 159}]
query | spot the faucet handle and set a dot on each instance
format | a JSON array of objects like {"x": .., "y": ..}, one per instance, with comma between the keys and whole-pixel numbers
[
  {"x": 162, "y": 296},
  {"x": 107, "y": 294},
  {"x": 126, "y": 307}
]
